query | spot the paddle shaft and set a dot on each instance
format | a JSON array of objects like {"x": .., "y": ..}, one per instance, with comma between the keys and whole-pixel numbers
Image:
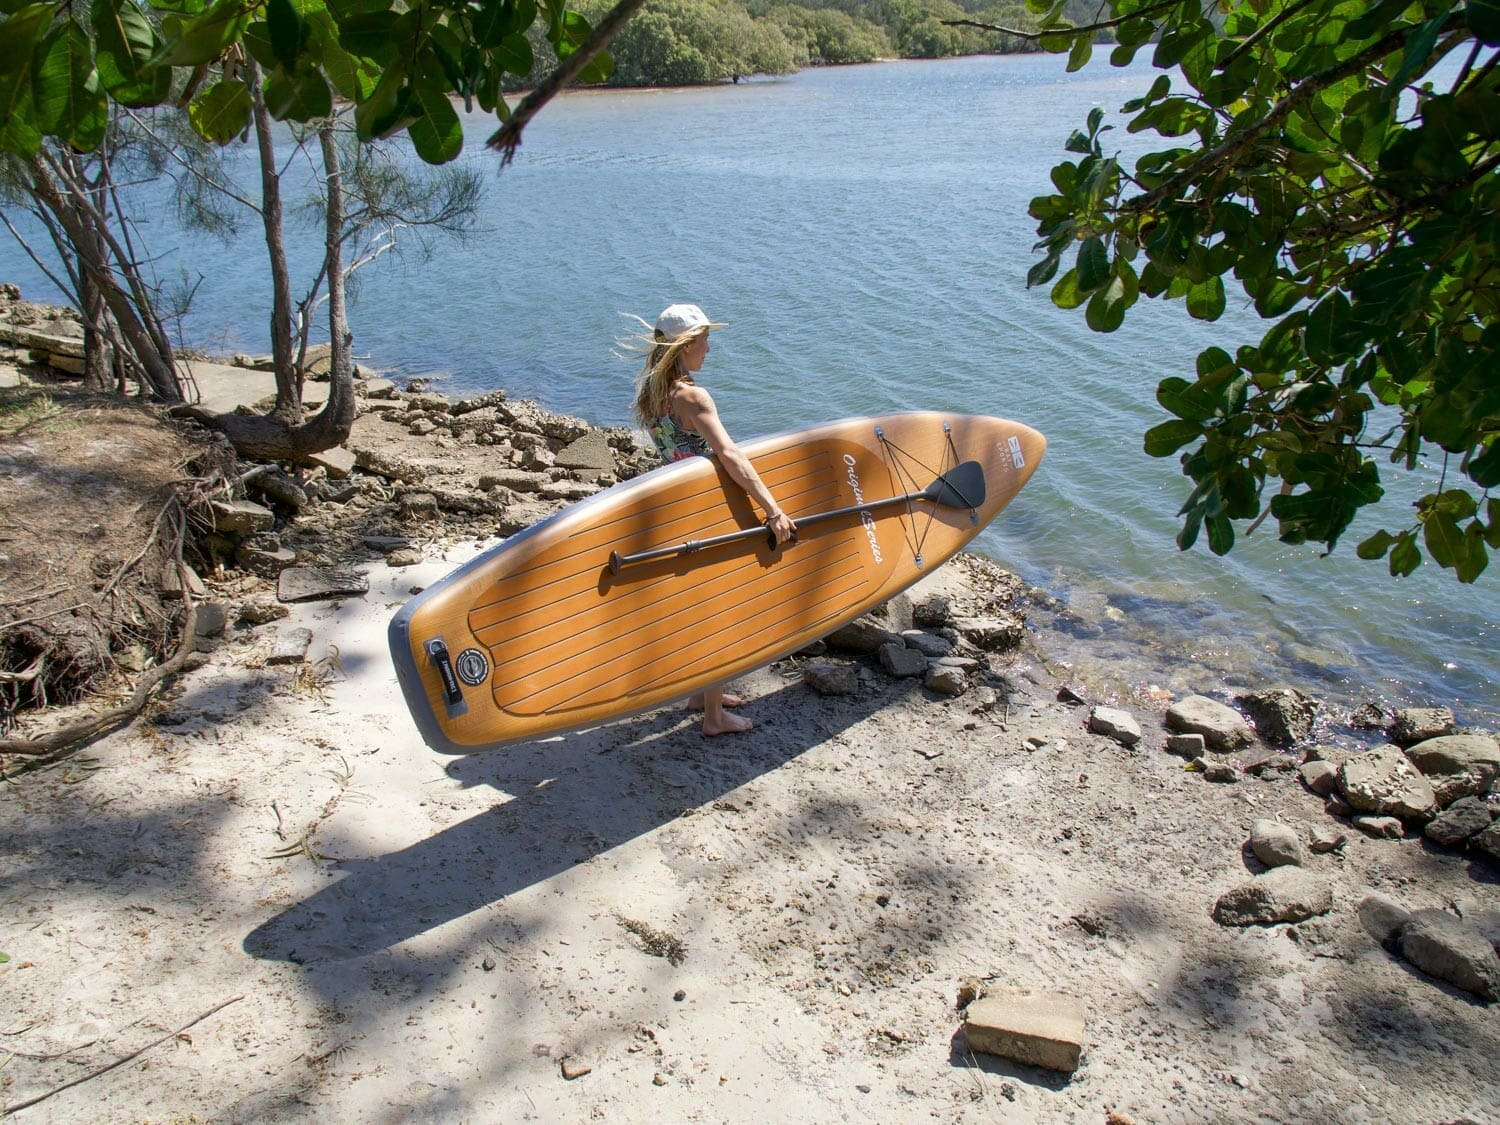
[{"x": 617, "y": 561}]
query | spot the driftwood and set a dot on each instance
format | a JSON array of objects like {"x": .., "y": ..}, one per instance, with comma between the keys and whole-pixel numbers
[{"x": 8, "y": 1110}]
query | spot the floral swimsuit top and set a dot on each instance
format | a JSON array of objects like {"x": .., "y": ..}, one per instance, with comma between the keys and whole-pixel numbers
[{"x": 676, "y": 443}]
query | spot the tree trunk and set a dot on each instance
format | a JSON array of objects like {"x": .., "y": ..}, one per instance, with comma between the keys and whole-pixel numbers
[
  {"x": 90, "y": 244},
  {"x": 268, "y": 437},
  {"x": 288, "y": 381}
]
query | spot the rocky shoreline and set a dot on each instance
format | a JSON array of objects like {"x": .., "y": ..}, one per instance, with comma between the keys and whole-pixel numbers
[{"x": 944, "y": 877}]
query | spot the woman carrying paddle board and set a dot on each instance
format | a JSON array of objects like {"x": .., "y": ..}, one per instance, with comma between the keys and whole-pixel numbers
[{"x": 683, "y": 422}]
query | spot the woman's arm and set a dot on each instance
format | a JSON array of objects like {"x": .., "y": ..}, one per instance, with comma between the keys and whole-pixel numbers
[{"x": 696, "y": 408}]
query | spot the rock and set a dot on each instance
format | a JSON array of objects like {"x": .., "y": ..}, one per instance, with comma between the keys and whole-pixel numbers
[
  {"x": 946, "y": 679},
  {"x": 171, "y": 581},
  {"x": 417, "y": 506},
  {"x": 488, "y": 400},
  {"x": 483, "y": 420},
  {"x": 1337, "y": 806},
  {"x": 1457, "y": 765},
  {"x": 1417, "y": 724},
  {"x": 1276, "y": 844},
  {"x": 1382, "y": 918},
  {"x": 404, "y": 556},
  {"x": 1222, "y": 727},
  {"x": 1445, "y": 947},
  {"x": 1116, "y": 724},
  {"x": 306, "y": 584},
  {"x": 421, "y": 427},
  {"x": 291, "y": 647},
  {"x": 1466, "y": 817},
  {"x": 339, "y": 462},
  {"x": 1283, "y": 894},
  {"x": 261, "y": 613},
  {"x": 279, "y": 489},
  {"x": 1322, "y": 840},
  {"x": 1221, "y": 773},
  {"x": 862, "y": 635},
  {"x": 1384, "y": 781},
  {"x": 572, "y": 1068},
  {"x": 517, "y": 480},
  {"x": 1282, "y": 716},
  {"x": 827, "y": 678},
  {"x": 1380, "y": 827},
  {"x": 996, "y": 633},
  {"x": 388, "y": 465},
  {"x": 928, "y": 644},
  {"x": 1033, "y": 1028},
  {"x": 1321, "y": 778},
  {"x": 591, "y": 451},
  {"x": 268, "y": 561},
  {"x": 902, "y": 662},
  {"x": 1187, "y": 745},
  {"x": 385, "y": 544},
  {"x": 1367, "y": 716},
  {"x": 377, "y": 388},
  {"x": 212, "y": 620},
  {"x": 1488, "y": 841},
  {"x": 241, "y": 517},
  {"x": 1257, "y": 762},
  {"x": 931, "y": 612},
  {"x": 1072, "y": 698}
]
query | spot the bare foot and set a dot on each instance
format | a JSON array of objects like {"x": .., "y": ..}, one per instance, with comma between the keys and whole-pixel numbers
[
  {"x": 696, "y": 703},
  {"x": 731, "y": 724}
]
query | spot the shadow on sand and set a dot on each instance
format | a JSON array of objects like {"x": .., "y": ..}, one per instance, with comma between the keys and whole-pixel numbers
[{"x": 575, "y": 798}]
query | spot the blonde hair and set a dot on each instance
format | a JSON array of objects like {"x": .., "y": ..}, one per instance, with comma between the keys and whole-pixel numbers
[{"x": 663, "y": 369}]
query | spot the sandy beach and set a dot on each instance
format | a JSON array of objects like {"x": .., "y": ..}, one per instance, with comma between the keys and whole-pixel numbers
[{"x": 274, "y": 903}]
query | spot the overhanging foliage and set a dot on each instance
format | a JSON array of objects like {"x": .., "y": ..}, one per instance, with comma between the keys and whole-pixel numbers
[{"x": 1337, "y": 160}]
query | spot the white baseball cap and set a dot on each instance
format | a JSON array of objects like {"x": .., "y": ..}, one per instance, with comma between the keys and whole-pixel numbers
[{"x": 678, "y": 319}]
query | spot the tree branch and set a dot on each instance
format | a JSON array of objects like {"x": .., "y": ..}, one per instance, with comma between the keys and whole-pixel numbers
[{"x": 508, "y": 138}]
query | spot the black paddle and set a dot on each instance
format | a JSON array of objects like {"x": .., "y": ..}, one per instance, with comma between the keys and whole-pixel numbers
[{"x": 960, "y": 487}]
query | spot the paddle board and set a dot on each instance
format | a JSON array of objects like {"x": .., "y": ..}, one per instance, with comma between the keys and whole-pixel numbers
[{"x": 661, "y": 586}]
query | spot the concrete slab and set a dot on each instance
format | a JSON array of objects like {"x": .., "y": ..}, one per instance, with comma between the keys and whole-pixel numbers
[{"x": 223, "y": 386}]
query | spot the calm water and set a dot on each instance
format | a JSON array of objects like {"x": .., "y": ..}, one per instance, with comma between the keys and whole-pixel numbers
[{"x": 864, "y": 230}]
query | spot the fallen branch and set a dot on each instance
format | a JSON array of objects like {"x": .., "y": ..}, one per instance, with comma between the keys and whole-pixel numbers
[{"x": 8, "y": 1110}]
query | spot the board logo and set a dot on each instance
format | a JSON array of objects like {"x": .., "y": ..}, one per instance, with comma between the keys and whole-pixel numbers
[
  {"x": 864, "y": 517},
  {"x": 472, "y": 666},
  {"x": 1016, "y": 455}
]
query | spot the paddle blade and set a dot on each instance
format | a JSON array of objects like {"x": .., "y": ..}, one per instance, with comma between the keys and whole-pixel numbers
[{"x": 959, "y": 487}]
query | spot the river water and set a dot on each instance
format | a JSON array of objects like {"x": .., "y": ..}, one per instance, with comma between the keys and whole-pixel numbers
[{"x": 864, "y": 230}]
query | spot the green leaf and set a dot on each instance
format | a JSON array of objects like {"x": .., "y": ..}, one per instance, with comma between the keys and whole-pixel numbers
[
  {"x": 437, "y": 134},
  {"x": 1082, "y": 50},
  {"x": 1443, "y": 537},
  {"x": 1066, "y": 293},
  {"x": 222, "y": 112},
  {"x": 288, "y": 33},
  {"x": 69, "y": 103},
  {"x": 125, "y": 42},
  {"x": 20, "y": 36},
  {"x": 1405, "y": 556},
  {"x": 1093, "y": 264},
  {"x": 1205, "y": 301},
  {"x": 599, "y": 68},
  {"x": 1220, "y": 534},
  {"x": 1168, "y": 437},
  {"x": 1483, "y": 18},
  {"x": 305, "y": 97},
  {"x": 1376, "y": 545},
  {"x": 202, "y": 39},
  {"x": 1043, "y": 271}
]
